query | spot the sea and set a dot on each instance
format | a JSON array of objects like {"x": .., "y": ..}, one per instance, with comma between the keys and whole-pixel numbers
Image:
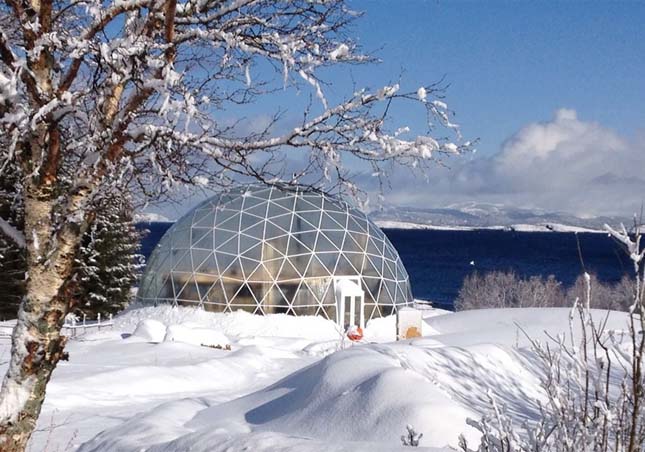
[{"x": 438, "y": 261}]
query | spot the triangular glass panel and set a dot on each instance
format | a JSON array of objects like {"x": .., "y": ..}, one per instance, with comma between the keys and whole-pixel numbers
[
  {"x": 248, "y": 266},
  {"x": 251, "y": 202},
  {"x": 306, "y": 238},
  {"x": 336, "y": 237},
  {"x": 220, "y": 236},
  {"x": 377, "y": 234},
  {"x": 273, "y": 249},
  {"x": 203, "y": 218},
  {"x": 282, "y": 221},
  {"x": 181, "y": 260},
  {"x": 357, "y": 224},
  {"x": 374, "y": 247},
  {"x": 350, "y": 245},
  {"x": 202, "y": 238},
  {"x": 304, "y": 204},
  {"x": 272, "y": 268},
  {"x": 311, "y": 220},
  {"x": 254, "y": 252},
  {"x": 258, "y": 211},
  {"x": 387, "y": 295},
  {"x": 198, "y": 257},
  {"x": 302, "y": 298},
  {"x": 371, "y": 286},
  {"x": 324, "y": 244},
  {"x": 208, "y": 265},
  {"x": 356, "y": 259},
  {"x": 233, "y": 271},
  {"x": 339, "y": 218},
  {"x": 235, "y": 203},
  {"x": 224, "y": 261},
  {"x": 371, "y": 312},
  {"x": 315, "y": 269},
  {"x": 260, "y": 275},
  {"x": 231, "y": 223},
  {"x": 327, "y": 223},
  {"x": 230, "y": 289},
  {"x": 256, "y": 231},
  {"x": 328, "y": 260},
  {"x": 296, "y": 247},
  {"x": 248, "y": 221},
  {"x": 285, "y": 204},
  {"x": 389, "y": 251},
  {"x": 215, "y": 294},
  {"x": 231, "y": 246},
  {"x": 388, "y": 272},
  {"x": 289, "y": 271},
  {"x": 344, "y": 267},
  {"x": 317, "y": 288},
  {"x": 180, "y": 240},
  {"x": 272, "y": 231},
  {"x": 245, "y": 297},
  {"x": 185, "y": 287},
  {"x": 288, "y": 290},
  {"x": 273, "y": 302}
]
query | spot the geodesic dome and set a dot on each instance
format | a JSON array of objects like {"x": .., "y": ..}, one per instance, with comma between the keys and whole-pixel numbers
[{"x": 268, "y": 250}]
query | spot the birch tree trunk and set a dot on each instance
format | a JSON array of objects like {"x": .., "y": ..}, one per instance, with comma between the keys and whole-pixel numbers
[{"x": 37, "y": 343}]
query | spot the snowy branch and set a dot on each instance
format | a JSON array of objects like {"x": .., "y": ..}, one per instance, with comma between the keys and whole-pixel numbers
[{"x": 15, "y": 235}]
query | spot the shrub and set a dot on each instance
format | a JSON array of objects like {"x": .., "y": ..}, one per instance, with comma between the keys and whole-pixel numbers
[{"x": 507, "y": 290}]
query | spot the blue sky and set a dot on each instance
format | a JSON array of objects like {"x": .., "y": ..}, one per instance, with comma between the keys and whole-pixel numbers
[
  {"x": 554, "y": 91},
  {"x": 512, "y": 63}
]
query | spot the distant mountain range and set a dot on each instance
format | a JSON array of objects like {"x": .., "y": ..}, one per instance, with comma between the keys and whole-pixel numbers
[
  {"x": 470, "y": 216},
  {"x": 488, "y": 216}
]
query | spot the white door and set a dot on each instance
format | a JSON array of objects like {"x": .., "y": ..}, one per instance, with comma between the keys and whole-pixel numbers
[{"x": 350, "y": 302}]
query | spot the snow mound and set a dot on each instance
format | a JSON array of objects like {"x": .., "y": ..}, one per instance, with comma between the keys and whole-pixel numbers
[
  {"x": 362, "y": 394},
  {"x": 150, "y": 330},
  {"x": 233, "y": 325},
  {"x": 511, "y": 326},
  {"x": 189, "y": 334}
]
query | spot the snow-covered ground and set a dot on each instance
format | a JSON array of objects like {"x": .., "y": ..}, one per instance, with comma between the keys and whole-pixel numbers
[{"x": 158, "y": 381}]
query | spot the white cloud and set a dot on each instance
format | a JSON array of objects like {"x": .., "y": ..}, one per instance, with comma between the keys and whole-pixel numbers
[{"x": 565, "y": 164}]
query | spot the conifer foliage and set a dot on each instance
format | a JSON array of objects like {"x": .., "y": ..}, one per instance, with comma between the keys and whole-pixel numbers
[
  {"x": 108, "y": 261},
  {"x": 12, "y": 256}
]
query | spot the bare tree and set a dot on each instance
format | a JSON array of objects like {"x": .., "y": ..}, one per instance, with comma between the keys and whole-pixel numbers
[
  {"x": 508, "y": 290},
  {"x": 131, "y": 93}
]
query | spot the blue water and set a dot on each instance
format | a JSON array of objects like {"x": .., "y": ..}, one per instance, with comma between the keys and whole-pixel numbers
[{"x": 438, "y": 261}]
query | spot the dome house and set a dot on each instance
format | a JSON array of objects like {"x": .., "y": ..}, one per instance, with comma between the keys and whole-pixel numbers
[{"x": 266, "y": 250}]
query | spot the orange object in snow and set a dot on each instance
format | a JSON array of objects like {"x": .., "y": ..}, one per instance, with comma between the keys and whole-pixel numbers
[{"x": 355, "y": 333}]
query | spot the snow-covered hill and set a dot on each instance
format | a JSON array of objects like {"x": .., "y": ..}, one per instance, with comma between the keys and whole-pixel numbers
[
  {"x": 289, "y": 384},
  {"x": 469, "y": 216}
]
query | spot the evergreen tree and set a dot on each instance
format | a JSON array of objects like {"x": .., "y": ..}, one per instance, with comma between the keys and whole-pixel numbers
[
  {"x": 108, "y": 261},
  {"x": 12, "y": 256}
]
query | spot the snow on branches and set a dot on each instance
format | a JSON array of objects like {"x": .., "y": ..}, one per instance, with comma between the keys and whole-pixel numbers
[
  {"x": 137, "y": 96},
  {"x": 132, "y": 87}
]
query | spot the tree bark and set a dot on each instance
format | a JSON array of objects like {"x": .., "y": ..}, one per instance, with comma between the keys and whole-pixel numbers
[{"x": 37, "y": 344}]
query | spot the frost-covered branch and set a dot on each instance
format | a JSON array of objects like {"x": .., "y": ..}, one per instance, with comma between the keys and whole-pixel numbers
[
  {"x": 14, "y": 234},
  {"x": 141, "y": 96}
]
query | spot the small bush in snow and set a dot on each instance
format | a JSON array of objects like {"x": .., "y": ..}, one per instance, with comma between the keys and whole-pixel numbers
[
  {"x": 507, "y": 290},
  {"x": 412, "y": 438}
]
